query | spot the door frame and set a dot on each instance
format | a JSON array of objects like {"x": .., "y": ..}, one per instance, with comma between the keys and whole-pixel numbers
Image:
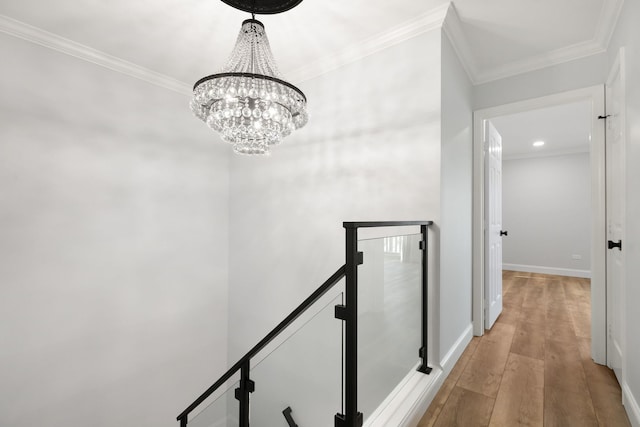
[{"x": 594, "y": 95}]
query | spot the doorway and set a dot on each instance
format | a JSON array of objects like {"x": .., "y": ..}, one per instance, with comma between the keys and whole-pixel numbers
[{"x": 594, "y": 99}]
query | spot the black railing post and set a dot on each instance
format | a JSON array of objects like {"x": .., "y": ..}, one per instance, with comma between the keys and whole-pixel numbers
[
  {"x": 424, "y": 246},
  {"x": 351, "y": 416},
  {"x": 348, "y": 313},
  {"x": 245, "y": 387}
]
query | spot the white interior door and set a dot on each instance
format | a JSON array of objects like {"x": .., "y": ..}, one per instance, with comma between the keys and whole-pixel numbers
[
  {"x": 493, "y": 224},
  {"x": 615, "y": 134}
]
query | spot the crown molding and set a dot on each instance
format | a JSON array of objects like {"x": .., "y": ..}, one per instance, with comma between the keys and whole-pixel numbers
[
  {"x": 424, "y": 23},
  {"x": 53, "y": 41},
  {"x": 444, "y": 16},
  {"x": 452, "y": 27},
  {"x": 607, "y": 22},
  {"x": 606, "y": 25},
  {"x": 555, "y": 57}
]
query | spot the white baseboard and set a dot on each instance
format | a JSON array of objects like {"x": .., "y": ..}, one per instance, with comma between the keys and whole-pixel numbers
[
  {"x": 451, "y": 358},
  {"x": 548, "y": 270},
  {"x": 408, "y": 402},
  {"x": 631, "y": 405}
]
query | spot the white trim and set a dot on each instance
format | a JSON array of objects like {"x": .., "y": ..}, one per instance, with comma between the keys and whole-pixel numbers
[
  {"x": 452, "y": 28},
  {"x": 631, "y": 405},
  {"x": 421, "y": 24},
  {"x": 555, "y": 57},
  {"x": 408, "y": 402},
  {"x": 607, "y": 23},
  {"x": 444, "y": 16},
  {"x": 453, "y": 355},
  {"x": 595, "y": 95},
  {"x": 551, "y": 153},
  {"x": 598, "y": 44},
  {"x": 53, "y": 41},
  {"x": 571, "y": 272}
]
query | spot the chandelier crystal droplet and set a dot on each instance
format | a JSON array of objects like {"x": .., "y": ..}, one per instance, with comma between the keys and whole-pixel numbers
[{"x": 247, "y": 102}]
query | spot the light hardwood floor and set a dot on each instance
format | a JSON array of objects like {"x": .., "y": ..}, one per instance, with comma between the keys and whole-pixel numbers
[{"x": 533, "y": 368}]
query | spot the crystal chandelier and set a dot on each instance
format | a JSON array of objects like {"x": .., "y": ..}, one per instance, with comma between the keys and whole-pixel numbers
[{"x": 247, "y": 102}]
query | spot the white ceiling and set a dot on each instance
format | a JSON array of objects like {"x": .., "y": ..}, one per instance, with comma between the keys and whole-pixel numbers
[
  {"x": 187, "y": 39},
  {"x": 565, "y": 129}
]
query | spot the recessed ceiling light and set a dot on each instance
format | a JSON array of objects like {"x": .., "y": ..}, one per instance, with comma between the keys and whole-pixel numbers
[{"x": 538, "y": 143}]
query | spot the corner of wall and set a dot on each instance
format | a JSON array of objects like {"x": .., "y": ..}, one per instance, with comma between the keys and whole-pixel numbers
[{"x": 450, "y": 359}]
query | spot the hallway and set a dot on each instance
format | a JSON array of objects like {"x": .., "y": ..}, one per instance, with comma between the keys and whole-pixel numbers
[{"x": 533, "y": 368}]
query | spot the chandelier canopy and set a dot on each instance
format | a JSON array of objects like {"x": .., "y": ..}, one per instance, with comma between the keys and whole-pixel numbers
[{"x": 247, "y": 102}]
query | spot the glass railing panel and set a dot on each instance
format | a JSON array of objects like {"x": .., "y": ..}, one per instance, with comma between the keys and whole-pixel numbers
[
  {"x": 221, "y": 412},
  {"x": 389, "y": 316},
  {"x": 304, "y": 372}
]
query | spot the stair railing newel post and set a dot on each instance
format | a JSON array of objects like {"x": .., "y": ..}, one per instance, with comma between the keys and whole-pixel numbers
[
  {"x": 349, "y": 314},
  {"x": 424, "y": 247}
]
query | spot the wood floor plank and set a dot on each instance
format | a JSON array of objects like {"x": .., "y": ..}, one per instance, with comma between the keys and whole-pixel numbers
[
  {"x": 581, "y": 323},
  {"x": 435, "y": 408},
  {"x": 500, "y": 334},
  {"x": 430, "y": 417},
  {"x": 564, "y": 408},
  {"x": 606, "y": 403},
  {"x": 508, "y": 275},
  {"x": 509, "y": 316},
  {"x": 484, "y": 371},
  {"x": 563, "y": 367},
  {"x": 535, "y": 294},
  {"x": 536, "y": 315},
  {"x": 596, "y": 375},
  {"x": 534, "y": 367},
  {"x": 560, "y": 329},
  {"x": 465, "y": 408},
  {"x": 520, "y": 400},
  {"x": 604, "y": 389},
  {"x": 529, "y": 340}
]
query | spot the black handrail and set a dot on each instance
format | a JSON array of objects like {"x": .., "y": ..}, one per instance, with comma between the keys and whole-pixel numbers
[
  {"x": 324, "y": 288},
  {"x": 369, "y": 224},
  {"x": 348, "y": 313}
]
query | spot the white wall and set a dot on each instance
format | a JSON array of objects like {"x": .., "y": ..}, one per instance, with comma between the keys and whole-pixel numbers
[
  {"x": 113, "y": 246},
  {"x": 355, "y": 161},
  {"x": 576, "y": 74},
  {"x": 546, "y": 208},
  {"x": 628, "y": 34},
  {"x": 371, "y": 151},
  {"x": 457, "y": 186}
]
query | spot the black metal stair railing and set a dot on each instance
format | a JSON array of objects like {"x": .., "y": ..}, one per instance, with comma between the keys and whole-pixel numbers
[
  {"x": 287, "y": 416},
  {"x": 348, "y": 313}
]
